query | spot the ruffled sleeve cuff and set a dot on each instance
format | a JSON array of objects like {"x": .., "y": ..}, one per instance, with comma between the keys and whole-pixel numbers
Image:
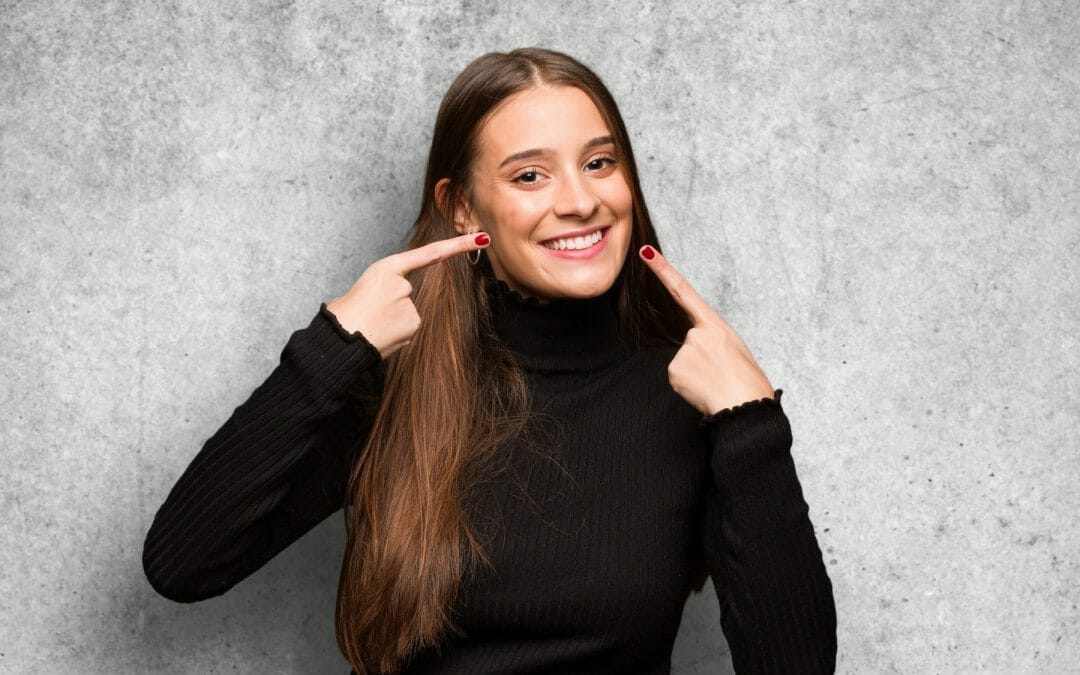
[
  {"x": 343, "y": 333},
  {"x": 751, "y": 449},
  {"x": 331, "y": 362},
  {"x": 742, "y": 409}
]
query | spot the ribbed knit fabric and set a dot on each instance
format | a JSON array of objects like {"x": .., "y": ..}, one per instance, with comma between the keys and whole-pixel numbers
[{"x": 594, "y": 529}]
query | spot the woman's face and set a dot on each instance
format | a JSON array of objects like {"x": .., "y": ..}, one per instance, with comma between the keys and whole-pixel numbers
[{"x": 550, "y": 190}]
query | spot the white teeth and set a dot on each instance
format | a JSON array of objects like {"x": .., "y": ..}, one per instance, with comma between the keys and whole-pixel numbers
[{"x": 575, "y": 243}]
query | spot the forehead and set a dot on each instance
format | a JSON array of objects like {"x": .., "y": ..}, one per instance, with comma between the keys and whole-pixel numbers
[{"x": 542, "y": 117}]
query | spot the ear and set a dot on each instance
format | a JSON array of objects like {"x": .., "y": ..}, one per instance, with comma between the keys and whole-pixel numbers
[{"x": 462, "y": 215}]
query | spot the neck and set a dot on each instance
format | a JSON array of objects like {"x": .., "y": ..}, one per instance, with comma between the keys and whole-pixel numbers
[{"x": 558, "y": 334}]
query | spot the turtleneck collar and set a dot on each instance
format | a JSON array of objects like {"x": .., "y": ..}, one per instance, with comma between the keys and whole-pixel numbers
[{"x": 563, "y": 335}]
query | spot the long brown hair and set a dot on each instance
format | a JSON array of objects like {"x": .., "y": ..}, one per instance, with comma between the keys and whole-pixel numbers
[{"x": 453, "y": 395}]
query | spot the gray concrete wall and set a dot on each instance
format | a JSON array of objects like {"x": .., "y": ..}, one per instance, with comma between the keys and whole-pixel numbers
[{"x": 881, "y": 198}]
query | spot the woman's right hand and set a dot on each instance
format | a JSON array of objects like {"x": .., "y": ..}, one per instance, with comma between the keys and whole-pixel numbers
[{"x": 379, "y": 305}]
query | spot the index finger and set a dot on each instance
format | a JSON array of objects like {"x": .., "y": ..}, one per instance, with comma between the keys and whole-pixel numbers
[
  {"x": 437, "y": 251},
  {"x": 677, "y": 285}
]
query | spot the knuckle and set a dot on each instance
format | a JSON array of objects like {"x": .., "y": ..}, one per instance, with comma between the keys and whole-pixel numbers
[
  {"x": 673, "y": 371},
  {"x": 697, "y": 336}
]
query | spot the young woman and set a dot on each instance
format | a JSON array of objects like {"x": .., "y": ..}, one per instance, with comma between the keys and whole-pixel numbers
[{"x": 542, "y": 446}]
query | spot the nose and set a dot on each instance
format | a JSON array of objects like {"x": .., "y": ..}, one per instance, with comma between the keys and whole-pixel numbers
[{"x": 575, "y": 197}]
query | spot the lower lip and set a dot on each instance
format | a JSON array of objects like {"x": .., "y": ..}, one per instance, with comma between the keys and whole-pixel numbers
[{"x": 581, "y": 253}]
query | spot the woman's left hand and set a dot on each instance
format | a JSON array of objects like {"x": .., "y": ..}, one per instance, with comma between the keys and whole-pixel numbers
[{"x": 713, "y": 369}]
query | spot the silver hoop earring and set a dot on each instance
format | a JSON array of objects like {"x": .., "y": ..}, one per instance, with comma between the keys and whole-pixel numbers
[{"x": 469, "y": 256}]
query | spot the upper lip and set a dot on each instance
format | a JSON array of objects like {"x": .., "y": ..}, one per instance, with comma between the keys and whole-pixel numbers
[{"x": 576, "y": 233}]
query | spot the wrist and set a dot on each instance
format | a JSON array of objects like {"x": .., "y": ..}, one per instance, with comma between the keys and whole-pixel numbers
[{"x": 717, "y": 404}]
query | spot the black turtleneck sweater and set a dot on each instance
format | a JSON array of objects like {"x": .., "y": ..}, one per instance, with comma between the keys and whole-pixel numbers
[{"x": 595, "y": 529}]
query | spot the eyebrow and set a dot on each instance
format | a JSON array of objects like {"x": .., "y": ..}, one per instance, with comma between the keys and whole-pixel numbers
[{"x": 538, "y": 152}]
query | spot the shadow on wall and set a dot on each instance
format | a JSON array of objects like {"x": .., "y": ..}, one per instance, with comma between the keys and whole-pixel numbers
[
  {"x": 282, "y": 616},
  {"x": 700, "y": 647}
]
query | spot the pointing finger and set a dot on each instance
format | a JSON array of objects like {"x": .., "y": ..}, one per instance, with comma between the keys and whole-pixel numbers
[
  {"x": 437, "y": 251},
  {"x": 677, "y": 285}
]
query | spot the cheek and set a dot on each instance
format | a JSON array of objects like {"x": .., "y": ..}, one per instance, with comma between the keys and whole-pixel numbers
[
  {"x": 618, "y": 198},
  {"x": 517, "y": 215}
]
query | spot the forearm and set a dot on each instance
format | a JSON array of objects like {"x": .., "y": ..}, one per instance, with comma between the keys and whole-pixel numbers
[
  {"x": 776, "y": 598},
  {"x": 275, "y": 468}
]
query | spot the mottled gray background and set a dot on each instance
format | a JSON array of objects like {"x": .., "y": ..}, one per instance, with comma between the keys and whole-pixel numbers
[{"x": 881, "y": 197}]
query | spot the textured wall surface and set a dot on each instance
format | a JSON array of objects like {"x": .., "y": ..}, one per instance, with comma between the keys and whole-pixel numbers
[{"x": 881, "y": 197}]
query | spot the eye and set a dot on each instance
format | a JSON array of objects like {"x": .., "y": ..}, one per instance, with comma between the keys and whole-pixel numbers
[
  {"x": 529, "y": 176},
  {"x": 600, "y": 163}
]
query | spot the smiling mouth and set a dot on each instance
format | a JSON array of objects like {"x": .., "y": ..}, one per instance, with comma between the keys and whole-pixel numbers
[{"x": 575, "y": 243}]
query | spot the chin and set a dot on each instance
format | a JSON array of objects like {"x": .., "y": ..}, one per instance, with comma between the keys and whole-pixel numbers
[
  {"x": 586, "y": 289},
  {"x": 551, "y": 284}
]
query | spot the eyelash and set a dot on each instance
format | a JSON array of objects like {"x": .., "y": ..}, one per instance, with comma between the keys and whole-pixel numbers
[
  {"x": 517, "y": 178},
  {"x": 530, "y": 171},
  {"x": 603, "y": 158}
]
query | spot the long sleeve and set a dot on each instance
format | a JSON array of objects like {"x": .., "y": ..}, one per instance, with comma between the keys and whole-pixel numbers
[
  {"x": 276, "y": 468},
  {"x": 777, "y": 607}
]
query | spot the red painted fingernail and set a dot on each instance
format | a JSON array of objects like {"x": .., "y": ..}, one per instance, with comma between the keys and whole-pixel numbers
[
  {"x": 482, "y": 240},
  {"x": 648, "y": 252}
]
